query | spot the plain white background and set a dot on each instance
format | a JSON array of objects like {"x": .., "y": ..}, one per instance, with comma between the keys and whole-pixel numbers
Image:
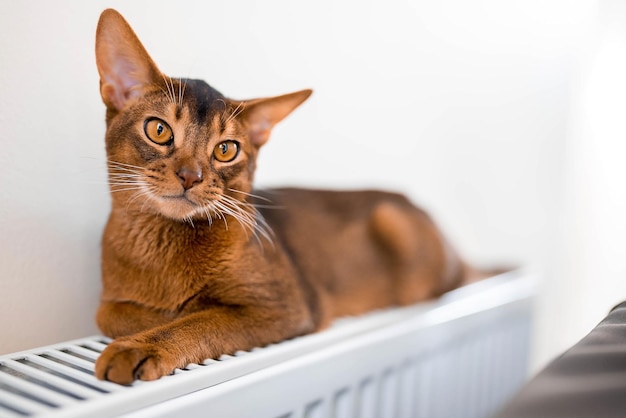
[{"x": 503, "y": 119}]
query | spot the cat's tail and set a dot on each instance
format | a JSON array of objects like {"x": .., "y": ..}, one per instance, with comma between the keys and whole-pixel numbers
[{"x": 459, "y": 272}]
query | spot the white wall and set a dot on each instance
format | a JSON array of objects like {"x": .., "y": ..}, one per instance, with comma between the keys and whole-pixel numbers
[
  {"x": 585, "y": 272},
  {"x": 471, "y": 108}
]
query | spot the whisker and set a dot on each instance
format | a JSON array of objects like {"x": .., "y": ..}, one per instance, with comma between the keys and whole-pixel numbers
[
  {"x": 222, "y": 212},
  {"x": 165, "y": 93},
  {"x": 208, "y": 215},
  {"x": 184, "y": 88},
  {"x": 127, "y": 183},
  {"x": 256, "y": 196},
  {"x": 250, "y": 219},
  {"x": 173, "y": 91},
  {"x": 114, "y": 166},
  {"x": 124, "y": 164},
  {"x": 126, "y": 189},
  {"x": 169, "y": 90},
  {"x": 124, "y": 170},
  {"x": 170, "y": 93},
  {"x": 129, "y": 186},
  {"x": 267, "y": 206},
  {"x": 181, "y": 91},
  {"x": 235, "y": 213},
  {"x": 126, "y": 179},
  {"x": 240, "y": 108}
]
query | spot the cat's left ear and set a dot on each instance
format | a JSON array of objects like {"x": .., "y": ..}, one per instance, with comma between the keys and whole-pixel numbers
[{"x": 260, "y": 115}]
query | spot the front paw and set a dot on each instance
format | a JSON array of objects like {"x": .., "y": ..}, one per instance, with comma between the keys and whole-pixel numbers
[{"x": 125, "y": 361}]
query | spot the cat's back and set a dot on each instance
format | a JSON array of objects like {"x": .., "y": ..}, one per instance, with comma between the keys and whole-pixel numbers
[
  {"x": 318, "y": 217},
  {"x": 330, "y": 205},
  {"x": 345, "y": 241}
]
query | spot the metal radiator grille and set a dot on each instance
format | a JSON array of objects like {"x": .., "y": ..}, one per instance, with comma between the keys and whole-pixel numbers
[
  {"x": 461, "y": 356},
  {"x": 51, "y": 379}
]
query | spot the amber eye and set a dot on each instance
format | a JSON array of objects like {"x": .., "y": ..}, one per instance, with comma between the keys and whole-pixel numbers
[
  {"x": 158, "y": 131},
  {"x": 226, "y": 151}
]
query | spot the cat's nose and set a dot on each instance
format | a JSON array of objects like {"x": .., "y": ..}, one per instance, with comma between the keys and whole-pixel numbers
[{"x": 188, "y": 177}]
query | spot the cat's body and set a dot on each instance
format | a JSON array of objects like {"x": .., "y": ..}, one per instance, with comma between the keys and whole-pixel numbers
[{"x": 196, "y": 263}]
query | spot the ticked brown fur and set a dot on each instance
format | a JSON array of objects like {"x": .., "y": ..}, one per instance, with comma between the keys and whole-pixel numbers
[{"x": 195, "y": 263}]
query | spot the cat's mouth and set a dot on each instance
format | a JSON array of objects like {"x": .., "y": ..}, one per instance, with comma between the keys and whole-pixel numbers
[
  {"x": 180, "y": 197},
  {"x": 177, "y": 206}
]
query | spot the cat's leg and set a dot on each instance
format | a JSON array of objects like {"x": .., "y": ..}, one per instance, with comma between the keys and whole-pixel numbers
[
  {"x": 117, "y": 319},
  {"x": 151, "y": 354},
  {"x": 423, "y": 264}
]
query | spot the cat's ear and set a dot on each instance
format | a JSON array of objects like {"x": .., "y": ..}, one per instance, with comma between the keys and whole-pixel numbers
[
  {"x": 260, "y": 115},
  {"x": 124, "y": 66}
]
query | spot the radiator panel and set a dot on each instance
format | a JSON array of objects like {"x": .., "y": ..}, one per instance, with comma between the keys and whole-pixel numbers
[{"x": 461, "y": 356}]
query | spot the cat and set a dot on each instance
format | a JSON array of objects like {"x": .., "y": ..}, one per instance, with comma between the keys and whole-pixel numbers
[{"x": 196, "y": 263}]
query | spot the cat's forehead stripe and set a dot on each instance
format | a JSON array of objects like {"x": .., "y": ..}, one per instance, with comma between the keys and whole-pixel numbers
[{"x": 202, "y": 99}]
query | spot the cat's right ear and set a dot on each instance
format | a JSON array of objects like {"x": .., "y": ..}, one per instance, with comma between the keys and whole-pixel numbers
[{"x": 124, "y": 66}]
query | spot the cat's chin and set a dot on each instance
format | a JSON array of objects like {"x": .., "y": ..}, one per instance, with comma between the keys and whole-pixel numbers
[{"x": 178, "y": 208}]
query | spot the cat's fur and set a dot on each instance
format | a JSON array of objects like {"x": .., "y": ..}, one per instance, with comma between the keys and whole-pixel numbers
[{"x": 195, "y": 263}]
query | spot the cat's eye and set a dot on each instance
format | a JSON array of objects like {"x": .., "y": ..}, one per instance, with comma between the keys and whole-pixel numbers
[
  {"x": 226, "y": 151},
  {"x": 158, "y": 131}
]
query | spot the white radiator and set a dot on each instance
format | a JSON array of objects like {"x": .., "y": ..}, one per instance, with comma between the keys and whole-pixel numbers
[{"x": 463, "y": 355}]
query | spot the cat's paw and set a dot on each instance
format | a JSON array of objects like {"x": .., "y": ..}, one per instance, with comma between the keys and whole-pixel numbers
[{"x": 125, "y": 361}]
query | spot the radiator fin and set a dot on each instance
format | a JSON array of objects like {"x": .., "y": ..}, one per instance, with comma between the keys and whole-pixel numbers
[{"x": 469, "y": 378}]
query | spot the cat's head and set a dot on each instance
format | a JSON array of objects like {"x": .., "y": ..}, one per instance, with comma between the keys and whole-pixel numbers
[{"x": 176, "y": 147}]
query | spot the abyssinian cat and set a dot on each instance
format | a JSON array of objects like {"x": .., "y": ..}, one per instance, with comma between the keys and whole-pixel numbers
[{"x": 196, "y": 263}]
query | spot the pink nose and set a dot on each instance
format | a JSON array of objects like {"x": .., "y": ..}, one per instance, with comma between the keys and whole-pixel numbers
[{"x": 189, "y": 178}]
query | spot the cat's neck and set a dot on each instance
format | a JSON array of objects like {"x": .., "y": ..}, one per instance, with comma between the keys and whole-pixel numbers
[{"x": 135, "y": 228}]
